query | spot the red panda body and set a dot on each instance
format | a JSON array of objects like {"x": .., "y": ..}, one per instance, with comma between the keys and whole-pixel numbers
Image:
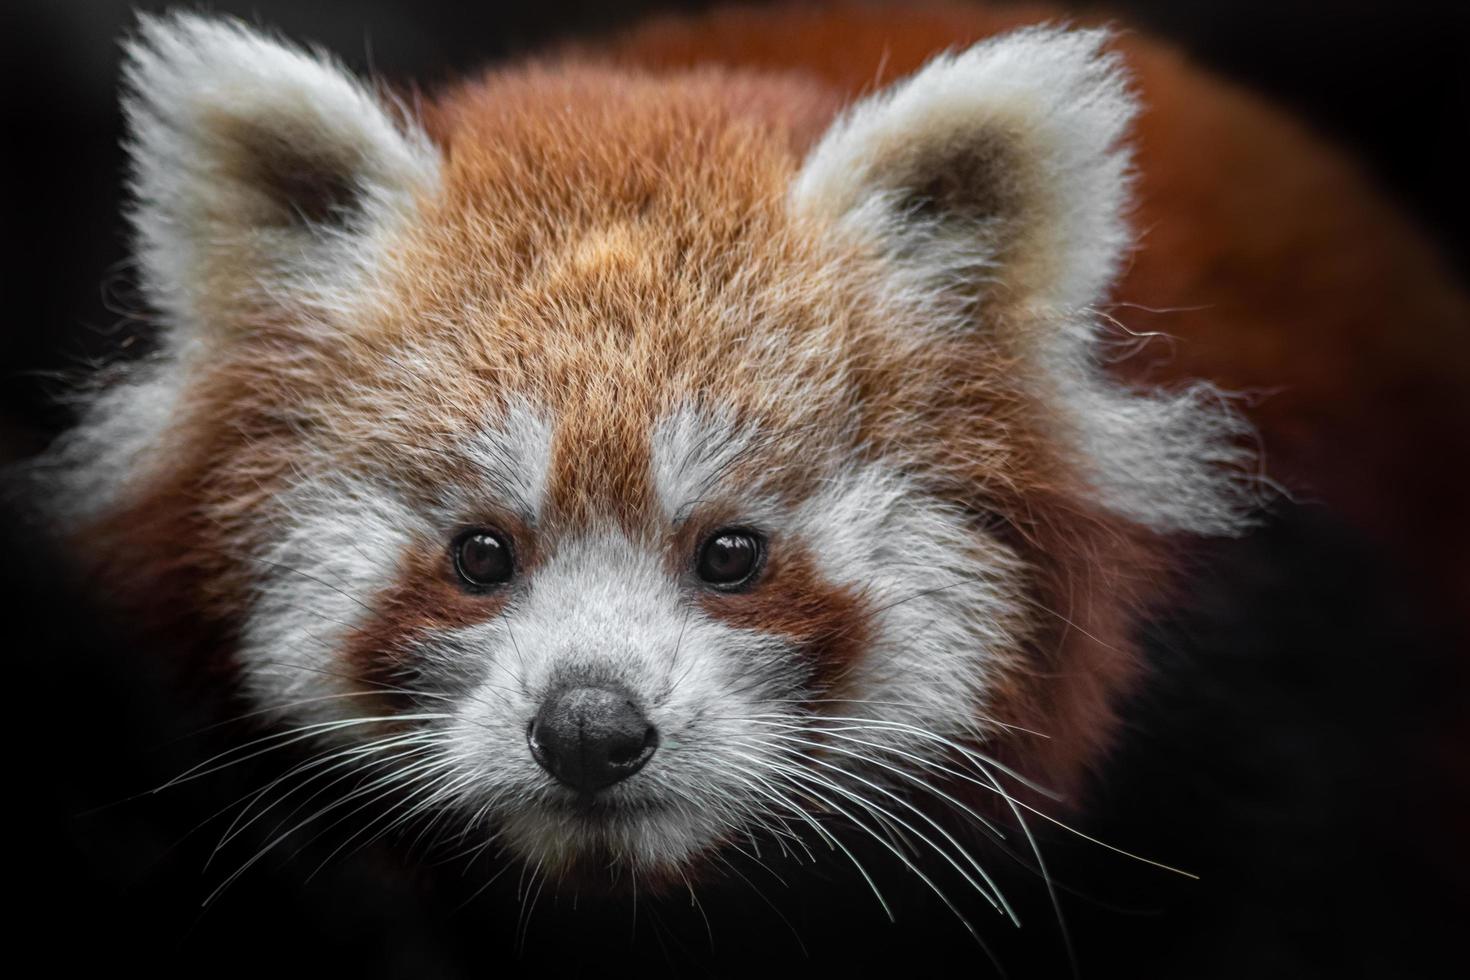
[{"x": 735, "y": 426}]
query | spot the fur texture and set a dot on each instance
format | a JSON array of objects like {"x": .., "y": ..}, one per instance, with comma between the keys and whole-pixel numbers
[{"x": 607, "y": 311}]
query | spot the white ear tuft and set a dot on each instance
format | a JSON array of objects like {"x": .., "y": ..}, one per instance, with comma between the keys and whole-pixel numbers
[
  {"x": 999, "y": 169},
  {"x": 261, "y": 173},
  {"x": 994, "y": 185}
]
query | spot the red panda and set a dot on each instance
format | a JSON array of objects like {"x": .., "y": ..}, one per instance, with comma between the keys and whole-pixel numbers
[{"x": 725, "y": 430}]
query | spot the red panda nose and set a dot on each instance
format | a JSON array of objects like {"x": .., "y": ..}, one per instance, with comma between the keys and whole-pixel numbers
[{"x": 591, "y": 737}]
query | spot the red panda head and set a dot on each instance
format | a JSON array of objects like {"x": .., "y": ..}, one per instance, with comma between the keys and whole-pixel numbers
[{"x": 630, "y": 462}]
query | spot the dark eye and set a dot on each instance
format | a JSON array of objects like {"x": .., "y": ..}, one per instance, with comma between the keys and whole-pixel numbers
[
  {"x": 729, "y": 558},
  {"x": 482, "y": 558}
]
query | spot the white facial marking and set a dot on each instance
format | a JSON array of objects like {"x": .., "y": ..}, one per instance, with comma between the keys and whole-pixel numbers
[
  {"x": 512, "y": 455},
  {"x": 604, "y": 611},
  {"x": 339, "y": 545},
  {"x": 946, "y": 600},
  {"x": 690, "y": 451}
]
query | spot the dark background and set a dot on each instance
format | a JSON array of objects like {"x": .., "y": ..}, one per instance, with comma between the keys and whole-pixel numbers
[{"x": 1288, "y": 753}]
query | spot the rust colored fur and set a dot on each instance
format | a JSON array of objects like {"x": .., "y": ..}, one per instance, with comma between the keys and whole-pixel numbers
[
  {"x": 1272, "y": 259},
  {"x": 553, "y": 260},
  {"x": 692, "y": 170}
]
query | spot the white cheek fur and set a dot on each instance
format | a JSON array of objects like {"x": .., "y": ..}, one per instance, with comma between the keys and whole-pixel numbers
[
  {"x": 340, "y": 545},
  {"x": 604, "y": 609},
  {"x": 946, "y": 600}
]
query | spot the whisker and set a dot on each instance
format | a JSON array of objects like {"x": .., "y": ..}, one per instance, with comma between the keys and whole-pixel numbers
[
  {"x": 286, "y": 738},
  {"x": 346, "y": 757},
  {"x": 822, "y": 832},
  {"x": 372, "y": 787},
  {"x": 813, "y": 786},
  {"x": 989, "y": 890}
]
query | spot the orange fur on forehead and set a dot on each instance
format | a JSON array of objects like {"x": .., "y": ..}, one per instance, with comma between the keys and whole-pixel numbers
[
  {"x": 609, "y": 245},
  {"x": 612, "y": 182},
  {"x": 602, "y": 140}
]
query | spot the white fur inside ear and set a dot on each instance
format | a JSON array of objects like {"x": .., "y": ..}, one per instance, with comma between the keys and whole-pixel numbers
[
  {"x": 1000, "y": 175},
  {"x": 243, "y": 151},
  {"x": 1041, "y": 113}
]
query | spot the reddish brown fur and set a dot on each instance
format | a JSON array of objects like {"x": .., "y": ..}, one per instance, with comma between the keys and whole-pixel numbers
[
  {"x": 428, "y": 596},
  {"x": 524, "y": 202},
  {"x": 828, "y": 625},
  {"x": 1276, "y": 263},
  {"x": 578, "y": 193}
]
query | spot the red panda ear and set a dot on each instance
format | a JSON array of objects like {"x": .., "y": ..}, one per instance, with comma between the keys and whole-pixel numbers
[
  {"x": 992, "y": 185},
  {"x": 262, "y": 175},
  {"x": 996, "y": 172}
]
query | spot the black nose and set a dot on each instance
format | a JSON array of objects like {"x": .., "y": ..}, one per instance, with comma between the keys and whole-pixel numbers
[{"x": 591, "y": 737}]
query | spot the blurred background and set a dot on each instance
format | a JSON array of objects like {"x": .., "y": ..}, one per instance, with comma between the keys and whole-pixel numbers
[{"x": 1293, "y": 781}]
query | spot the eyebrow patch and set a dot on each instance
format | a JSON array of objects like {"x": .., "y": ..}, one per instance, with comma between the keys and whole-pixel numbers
[
  {"x": 690, "y": 452},
  {"x": 511, "y": 458}
]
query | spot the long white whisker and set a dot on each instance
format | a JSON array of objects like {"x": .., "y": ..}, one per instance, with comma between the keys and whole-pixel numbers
[
  {"x": 823, "y": 833},
  {"x": 989, "y": 890},
  {"x": 992, "y": 892},
  {"x": 416, "y": 741},
  {"x": 924, "y": 733},
  {"x": 372, "y": 787},
  {"x": 291, "y": 736},
  {"x": 917, "y": 759},
  {"x": 813, "y": 785}
]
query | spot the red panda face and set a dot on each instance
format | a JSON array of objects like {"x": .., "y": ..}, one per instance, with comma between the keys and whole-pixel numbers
[
  {"x": 712, "y": 554},
  {"x": 630, "y": 464}
]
